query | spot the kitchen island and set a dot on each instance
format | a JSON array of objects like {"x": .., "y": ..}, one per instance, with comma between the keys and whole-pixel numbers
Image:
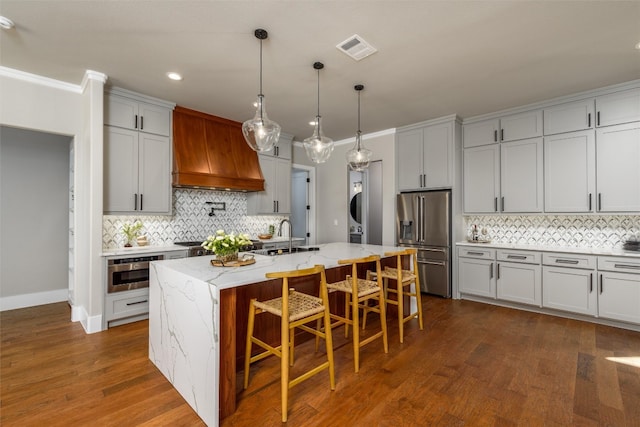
[{"x": 197, "y": 312}]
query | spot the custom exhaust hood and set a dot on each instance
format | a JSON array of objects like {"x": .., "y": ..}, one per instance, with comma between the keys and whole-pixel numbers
[{"x": 210, "y": 152}]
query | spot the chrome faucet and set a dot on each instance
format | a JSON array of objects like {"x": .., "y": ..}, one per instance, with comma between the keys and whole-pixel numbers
[{"x": 290, "y": 231}]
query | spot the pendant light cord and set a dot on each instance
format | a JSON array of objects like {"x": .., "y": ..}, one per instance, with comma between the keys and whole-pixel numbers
[
  {"x": 318, "y": 92},
  {"x": 261, "y": 95}
]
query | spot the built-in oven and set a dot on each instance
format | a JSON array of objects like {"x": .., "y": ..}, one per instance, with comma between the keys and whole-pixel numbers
[{"x": 125, "y": 274}]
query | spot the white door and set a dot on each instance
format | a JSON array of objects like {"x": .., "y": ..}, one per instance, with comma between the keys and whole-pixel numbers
[
  {"x": 521, "y": 126},
  {"x": 438, "y": 156},
  {"x": 120, "y": 169},
  {"x": 480, "y": 133},
  {"x": 409, "y": 162},
  {"x": 521, "y": 179},
  {"x": 476, "y": 277},
  {"x": 619, "y": 296},
  {"x": 481, "y": 179},
  {"x": 154, "y": 181},
  {"x": 519, "y": 283},
  {"x": 569, "y": 289},
  {"x": 283, "y": 186}
]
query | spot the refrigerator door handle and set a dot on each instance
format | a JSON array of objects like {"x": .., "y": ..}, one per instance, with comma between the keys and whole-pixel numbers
[
  {"x": 441, "y": 263},
  {"x": 434, "y": 250}
]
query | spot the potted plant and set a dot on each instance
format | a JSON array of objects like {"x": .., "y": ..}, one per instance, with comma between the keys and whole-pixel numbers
[
  {"x": 226, "y": 246},
  {"x": 130, "y": 232}
]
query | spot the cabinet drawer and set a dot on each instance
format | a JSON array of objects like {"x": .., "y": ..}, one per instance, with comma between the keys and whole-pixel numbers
[
  {"x": 128, "y": 304},
  {"x": 569, "y": 260},
  {"x": 621, "y": 264},
  {"x": 481, "y": 253},
  {"x": 525, "y": 257}
]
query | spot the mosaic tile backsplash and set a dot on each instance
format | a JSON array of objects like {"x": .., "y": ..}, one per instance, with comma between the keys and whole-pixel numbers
[
  {"x": 603, "y": 231},
  {"x": 191, "y": 220}
]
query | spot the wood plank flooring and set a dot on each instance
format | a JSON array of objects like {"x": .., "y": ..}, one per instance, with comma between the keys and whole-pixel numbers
[{"x": 473, "y": 365}]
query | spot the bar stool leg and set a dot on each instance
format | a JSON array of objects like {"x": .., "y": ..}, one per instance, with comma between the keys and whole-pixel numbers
[
  {"x": 247, "y": 354},
  {"x": 356, "y": 332},
  {"x": 284, "y": 363},
  {"x": 400, "y": 308}
]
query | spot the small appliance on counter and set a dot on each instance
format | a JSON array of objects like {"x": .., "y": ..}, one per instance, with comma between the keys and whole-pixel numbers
[{"x": 632, "y": 243}]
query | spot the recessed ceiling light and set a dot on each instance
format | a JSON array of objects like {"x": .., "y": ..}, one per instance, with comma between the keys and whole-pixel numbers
[
  {"x": 6, "y": 23},
  {"x": 174, "y": 76},
  {"x": 638, "y": 45}
]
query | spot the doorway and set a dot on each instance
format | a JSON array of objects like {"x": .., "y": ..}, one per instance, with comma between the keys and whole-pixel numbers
[
  {"x": 365, "y": 204},
  {"x": 303, "y": 203}
]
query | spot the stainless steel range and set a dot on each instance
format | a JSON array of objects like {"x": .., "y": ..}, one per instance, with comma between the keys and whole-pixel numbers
[{"x": 196, "y": 250}]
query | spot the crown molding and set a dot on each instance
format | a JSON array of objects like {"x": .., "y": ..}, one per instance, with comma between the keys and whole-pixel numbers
[{"x": 40, "y": 80}]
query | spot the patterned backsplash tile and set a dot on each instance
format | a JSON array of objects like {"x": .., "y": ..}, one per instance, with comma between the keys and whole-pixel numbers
[
  {"x": 604, "y": 231},
  {"x": 190, "y": 220}
]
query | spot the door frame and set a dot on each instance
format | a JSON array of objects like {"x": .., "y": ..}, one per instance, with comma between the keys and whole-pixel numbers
[{"x": 311, "y": 200}]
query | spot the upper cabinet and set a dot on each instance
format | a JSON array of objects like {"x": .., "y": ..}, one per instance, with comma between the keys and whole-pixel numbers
[
  {"x": 521, "y": 179},
  {"x": 137, "y": 157},
  {"x": 508, "y": 128},
  {"x": 276, "y": 169},
  {"x": 210, "y": 152},
  {"x": 481, "y": 180},
  {"x": 125, "y": 112},
  {"x": 425, "y": 157},
  {"x": 569, "y": 117},
  {"x": 618, "y": 171},
  {"x": 618, "y": 108}
]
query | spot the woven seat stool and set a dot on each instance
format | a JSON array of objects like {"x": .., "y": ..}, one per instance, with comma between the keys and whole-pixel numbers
[
  {"x": 295, "y": 309},
  {"x": 359, "y": 291},
  {"x": 404, "y": 279}
]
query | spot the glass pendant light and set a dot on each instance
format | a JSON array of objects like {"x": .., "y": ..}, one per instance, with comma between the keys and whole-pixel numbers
[
  {"x": 359, "y": 157},
  {"x": 261, "y": 133},
  {"x": 318, "y": 146}
]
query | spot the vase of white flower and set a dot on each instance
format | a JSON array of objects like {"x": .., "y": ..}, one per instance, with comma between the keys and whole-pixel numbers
[{"x": 226, "y": 246}]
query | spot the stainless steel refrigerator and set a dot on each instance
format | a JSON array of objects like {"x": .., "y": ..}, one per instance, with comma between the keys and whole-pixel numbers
[{"x": 424, "y": 222}]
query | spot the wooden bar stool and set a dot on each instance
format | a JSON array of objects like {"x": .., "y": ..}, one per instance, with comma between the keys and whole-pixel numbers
[
  {"x": 358, "y": 292},
  {"x": 404, "y": 279},
  {"x": 294, "y": 309}
]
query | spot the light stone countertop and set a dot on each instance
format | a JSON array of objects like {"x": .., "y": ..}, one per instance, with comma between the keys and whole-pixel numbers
[
  {"x": 562, "y": 249},
  {"x": 200, "y": 268},
  {"x": 138, "y": 250}
]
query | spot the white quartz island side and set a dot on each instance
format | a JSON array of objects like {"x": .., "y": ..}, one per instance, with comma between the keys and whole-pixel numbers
[{"x": 184, "y": 314}]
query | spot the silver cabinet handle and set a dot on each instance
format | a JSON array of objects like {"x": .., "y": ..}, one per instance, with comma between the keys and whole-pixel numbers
[
  {"x": 516, "y": 256},
  {"x": 491, "y": 271},
  {"x": 635, "y": 267},
  {"x": 567, "y": 261},
  {"x": 475, "y": 253}
]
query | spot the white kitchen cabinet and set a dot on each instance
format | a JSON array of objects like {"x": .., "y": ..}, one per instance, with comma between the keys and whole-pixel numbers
[
  {"x": 570, "y": 172},
  {"x": 481, "y": 179},
  {"x": 618, "y": 168},
  {"x": 131, "y": 113},
  {"x": 276, "y": 197},
  {"x": 425, "y": 157},
  {"x": 521, "y": 176},
  {"x": 619, "y": 288},
  {"x": 569, "y": 117},
  {"x": 137, "y": 171},
  {"x": 568, "y": 283},
  {"x": 508, "y": 128},
  {"x": 518, "y": 277},
  {"x": 618, "y": 108},
  {"x": 282, "y": 149},
  {"x": 476, "y": 272}
]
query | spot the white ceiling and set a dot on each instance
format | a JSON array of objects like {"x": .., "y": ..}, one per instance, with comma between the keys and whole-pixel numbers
[{"x": 434, "y": 57}]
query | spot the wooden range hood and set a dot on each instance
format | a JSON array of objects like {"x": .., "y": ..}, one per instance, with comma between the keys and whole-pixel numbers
[{"x": 210, "y": 152}]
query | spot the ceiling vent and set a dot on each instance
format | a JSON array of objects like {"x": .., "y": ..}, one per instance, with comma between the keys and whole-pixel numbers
[{"x": 356, "y": 47}]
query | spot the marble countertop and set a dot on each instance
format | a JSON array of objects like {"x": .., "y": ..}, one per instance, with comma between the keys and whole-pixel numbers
[
  {"x": 561, "y": 249},
  {"x": 228, "y": 277},
  {"x": 136, "y": 250}
]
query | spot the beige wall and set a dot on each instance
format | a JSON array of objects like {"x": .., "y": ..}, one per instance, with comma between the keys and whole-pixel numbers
[{"x": 332, "y": 188}]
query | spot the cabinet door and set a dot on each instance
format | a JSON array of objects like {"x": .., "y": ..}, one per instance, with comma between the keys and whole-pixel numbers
[
  {"x": 154, "y": 119},
  {"x": 480, "y": 133},
  {"x": 120, "y": 112},
  {"x": 569, "y": 289},
  {"x": 619, "y": 297},
  {"x": 282, "y": 149},
  {"x": 120, "y": 169},
  {"x": 521, "y": 126},
  {"x": 438, "y": 156},
  {"x": 618, "y": 108},
  {"x": 519, "y": 283},
  {"x": 476, "y": 277},
  {"x": 154, "y": 179},
  {"x": 481, "y": 179},
  {"x": 569, "y": 117},
  {"x": 409, "y": 163},
  {"x": 618, "y": 170},
  {"x": 283, "y": 186},
  {"x": 570, "y": 172},
  {"x": 266, "y": 199},
  {"x": 521, "y": 179}
]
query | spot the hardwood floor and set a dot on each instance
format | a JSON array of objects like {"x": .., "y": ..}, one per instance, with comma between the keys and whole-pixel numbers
[{"x": 474, "y": 364}]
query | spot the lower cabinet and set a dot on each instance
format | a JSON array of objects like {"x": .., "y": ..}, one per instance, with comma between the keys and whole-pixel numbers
[
  {"x": 124, "y": 305},
  {"x": 619, "y": 289},
  {"x": 519, "y": 277},
  {"x": 476, "y": 272},
  {"x": 569, "y": 283}
]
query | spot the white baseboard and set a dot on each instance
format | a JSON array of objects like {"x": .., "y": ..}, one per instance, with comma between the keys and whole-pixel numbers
[
  {"x": 91, "y": 324},
  {"x": 30, "y": 300}
]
